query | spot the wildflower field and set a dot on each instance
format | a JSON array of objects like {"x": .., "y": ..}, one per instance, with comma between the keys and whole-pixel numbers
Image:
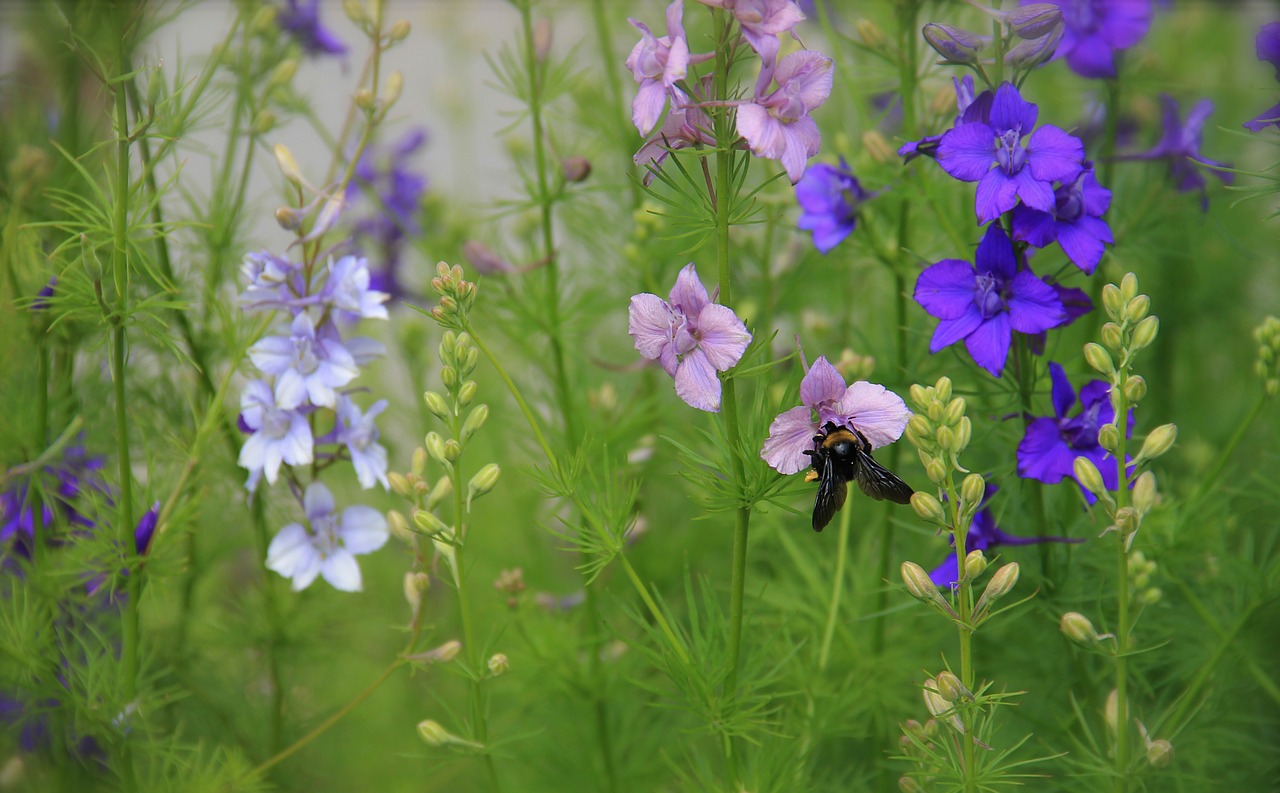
[{"x": 588, "y": 395}]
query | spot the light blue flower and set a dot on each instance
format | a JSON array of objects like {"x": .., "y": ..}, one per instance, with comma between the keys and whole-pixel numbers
[
  {"x": 280, "y": 435},
  {"x": 329, "y": 544},
  {"x": 359, "y": 434},
  {"x": 347, "y": 291},
  {"x": 306, "y": 365}
]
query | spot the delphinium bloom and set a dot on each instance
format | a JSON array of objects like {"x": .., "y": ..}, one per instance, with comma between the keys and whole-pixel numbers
[
  {"x": 1267, "y": 45},
  {"x": 396, "y": 191},
  {"x": 327, "y": 546},
  {"x": 983, "y": 303},
  {"x": 983, "y": 535},
  {"x": 280, "y": 436},
  {"x": 301, "y": 19},
  {"x": 308, "y": 366},
  {"x": 356, "y": 430},
  {"x": 1075, "y": 222},
  {"x": 1179, "y": 145},
  {"x": 690, "y": 336},
  {"x": 1051, "y": 444},
  {"x": 761, "y": 22},
  {"x": 1096, "y": 29},
  {"x": 66, "y": 485},
  {"x": 686, "y": 125},
  {"x": 869, "y": 408},
  {"x": 657, "y": 64},
  {"x": 777, "y": 125},
  {"x": 829, "y": 197},
  {"x": 1007, "y": 159}
]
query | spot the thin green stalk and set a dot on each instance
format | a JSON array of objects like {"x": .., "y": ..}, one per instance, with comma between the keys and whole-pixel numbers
[
  {"x": 534, "y": 70},
  {"x": 837, "y": 589},
  {"x": 997, "y": 38},
  {"x": 600, "y": 706},
  {"x": 1210, "y": 480},
  {"x": 1123, "y": 622},
  {"x": 965, "y": 632}
]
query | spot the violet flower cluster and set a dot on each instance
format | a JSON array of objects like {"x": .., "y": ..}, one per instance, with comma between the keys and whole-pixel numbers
[
  {"x": 301, "y": 20},
  {"x": 1267, "y": 46},
  {"x": 396, "y": 191},
  {"x": 1095, "y": 30},
  {"x": 305, "y": 371},
  {"x": 774, "y": 122}
]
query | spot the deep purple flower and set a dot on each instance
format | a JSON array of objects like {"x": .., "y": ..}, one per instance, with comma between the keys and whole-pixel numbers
[
  {"x": 146, "y": 530},
  {"x": 1075, "y": 223},
  {"x": 301, "y": 19},
  {"x": 984, "y": 303},
  {"x": 657, "y": 64},
  {"x": 777, "y": 125},
  {"x": 1095, "y": 29},
  {"x": 66, "y": 486},
  {"x": 830, "y": 197},
  {"x": 1051, "y": 444},
  {"x": 983, "y": 534},
  {"x": 1267, "y": 46},
  {"x": 993, "y": 154},
  {"x": 1179, "y": 145},
  {"x": 878, "y": 413},
  {"x": 690, "y": 336}
]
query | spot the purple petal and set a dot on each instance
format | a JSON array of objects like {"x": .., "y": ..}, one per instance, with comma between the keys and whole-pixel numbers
[
  {"x": 946, "y": 289},
  {"x": 689, "y": 296},
  {"x": 997, "y": 194},
  {"x": 1010, "y": 111},
  {"x": 647, "y": 107},
  {"x": 995, "y": 254},
  {"x": 1033, "y": 305},
  {"x": 947, "y": 573},
  {"x": 790, "y": 434},
  {"x": 1042, "y": 454},
  {"x": 878, "y": 413},
  {"x": 1127, "y": 22},
  {"x": 1053, "y": 155},
  {"x": 650, "y": 322},
  {"x": 989, "y": 344},
  {"x": 696, "y": 382},
  {"x": 1091, "y": 57},
  {"x": 966, "y": 152},
  {"x": 723, "y": 337},
  {"x": 1267, "y": 118},
  {"x": 1083, "y": 240},
  {"x": 801, "y": 141},
  {"x": 1267, "y": 45},
  {"x": 1033, "y": 192},
  {"x": 1034, "y": 227},
  {"x": 821, "y": 384},
  {"x": 762, "y": 132},
  {"x": 1063, "y": 395},
  {"x": 950, "y": 331}
]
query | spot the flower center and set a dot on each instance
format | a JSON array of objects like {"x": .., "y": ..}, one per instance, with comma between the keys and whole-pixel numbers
[
  {"x": 1081, "y": 16},
  {"x": 1069, "y": 202},
  {"x": 1010, "y": 154},
  {"x": 276, "y": 423},
  {"x": 325, "y": 529},
  {"x": 987, "y": 296},
  {"x": 305, "y": 359}
]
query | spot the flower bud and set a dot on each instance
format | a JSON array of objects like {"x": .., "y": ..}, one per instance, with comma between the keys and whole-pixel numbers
[
  {"x": 435, "y": 447},
  {"x": 920, "y": 426},
  {"x": 440, "y": 655},
  {"x": 1032, "y": 52},
  {"x": 1144, "y": 492},
  {"x": 429, "y": 523},
  {"x": 399, "y": 30},
  {"x": 934, "y": 410},
  {"x": 951, "y": 689},
  {"x": 452, "y": 450},
  {"x": 1034, "y": 20},
  {"x": 467, "y": 392},
  {"x": 575, "y": 169},
  {"x": 1127, "y": 521},
  {"x": 1078, "y": 628},
  {"x": 937, "y": 705},
  {"x": 413, "y": 588},
  {"x": 919, "y": 397},
  {"x": 484, "y": 480},
  {"x": 954, "y": 411},
  {"x": 1144, "y": 333},
  {"x": 870, "y": 33},
  {"x": 1158, "y": 441},
  {"x": 1097, "y": 356},
  {"x": 972, "y": 489},
  {"x": 288, "y": 219},
  {"x": 953, "y": 44},
  {"x": 287, "y": 164},
  {"x": 436, "y": 404},
  {"x": 1109, "y": 437},
  {"x": 444, "y": 486},
  {"x": 391, "y": 91},
  {"x": 1112, "y": 338},
  {"x": 498, "y": 664},
  {"x": 541, "y": 39},
  {"x": 1159, "y": 753},
  {"x": 418, "y": 462},
  {"x": 964, "y": 431},
  {"x": 875, "y": 145},
  {"x": 475, "y": 420},
  {"x": 1001, "y": 583},
  {"x": 1087, "y": 474},
  {"x": 472, "y": 358},
  {"x": 946, "y": 438},
  {"x": 435, "y": 735},
  {"x": 400, "y": 527},
  {"x": 1135, "y": 388},
  {"x": 283, "y": 73},
  {"x": 400, "y": 484},
  {"x": 1137, "y": 308},
  {"x": 917, "y": 581},
  {"x": 264, "y": 20},
  {"x": 329, "y": 214},
  {"x": 355, "y": 11},
  {"x": 448, "y": 375},
  {"x": 935, "y": 471},
  {"x": 975, "y": 564},
  {"x": 1129, "y": 287},
  {"x": 1113, "y": 301},
  {"x": 1111, "y": 711},
  {"x": 364, "y": 100},
  {"x": 1150, "y": 597},
  {"x": 927, "y": 507}
]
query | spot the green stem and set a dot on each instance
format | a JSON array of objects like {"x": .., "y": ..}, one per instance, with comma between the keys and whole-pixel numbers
[
  {"x": 1210, "y": 480},
  {"x": 1123, "y": 622},
  {"x": 964, "y": 628},
  {"x": 837, "y": 590},
  {"x": 534, "y": 69},
  {"x": 600, "y": 706},
  {"x": 997, "y": 39},
  {"x": 258, "y": 513}
]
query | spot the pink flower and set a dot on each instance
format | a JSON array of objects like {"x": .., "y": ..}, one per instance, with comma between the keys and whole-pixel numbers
[
  {"x": 687, "y": 125},
  {"x": 690, "y": 336},
  {"x": 657, "y": 64},
  {"x": 777, "y": 125},
  {"x": 871, "y": 409}
]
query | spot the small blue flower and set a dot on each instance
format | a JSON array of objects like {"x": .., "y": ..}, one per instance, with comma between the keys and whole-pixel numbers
[
  {"x": 1179, "y": 145},
  {"x": 307, "y": 365},
  {"x": 301, "y": 19},
  {"x": 830, "y": 197},
  {"x": 1075, "y": 222},
  {"x": 280, "y": 435},
  {"x": 359, "y": 434}
]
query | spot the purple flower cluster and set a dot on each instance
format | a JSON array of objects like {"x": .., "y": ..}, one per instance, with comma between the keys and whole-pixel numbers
[
  {"x": 305, "y": 370},
  {"x": 301, "y": 19},
  {"x": 1267, "y": 46},
  {"x": 774, "y": 122},
  {"x": 1096, "y": 29},
  {"x": 1179, "y": 146},
  {"x": 829, "y": 197},
  {"x": 396, "y": 189}
]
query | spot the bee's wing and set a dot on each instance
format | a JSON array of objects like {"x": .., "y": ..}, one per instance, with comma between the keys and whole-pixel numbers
[
  {"x": 832, "y": 491},
  {"x": 879, "y": 482}
]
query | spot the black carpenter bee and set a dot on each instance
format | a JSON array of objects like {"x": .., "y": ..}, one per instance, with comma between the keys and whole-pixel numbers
[{"x": 843, "y": 455}]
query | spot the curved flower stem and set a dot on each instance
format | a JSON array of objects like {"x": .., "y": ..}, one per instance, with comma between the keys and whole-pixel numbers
[{"x": 837, "y": 589}]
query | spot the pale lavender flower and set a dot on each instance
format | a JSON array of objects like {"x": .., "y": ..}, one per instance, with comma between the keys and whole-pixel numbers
[
  {"x": 306, "y": 365},
  {"x": 274, "y": 283},
  {"x": 690, "y": 336},
  {"x": 761, "y": 22},
  {"x": 347, "y": 291},
  {"x": 280, "y": 435},
  {"x": 359, "y": 434},
  {"x": 329, "y": 544},
  {"x": 657, "y": 64},
  {"x": 777, "y": 125},
  {"x": 686, "y": 125},
  {"x": 871, "y": 409}
]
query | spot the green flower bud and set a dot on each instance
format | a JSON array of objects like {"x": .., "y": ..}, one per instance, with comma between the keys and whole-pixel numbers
[
  {"x": 870, "y": 33},
  {"x": 935, "y": 410},
  {"x": 1144, "y": 492},
  {"x": 418, "y": 462},
  {"x": 937, "y": 705},
  {"x": 475, "y": 420},
  {"x": 1078, "y": 628},
  {"x": 1113, "y": 301},
  {"x": 472, "y": 358},
  {"x": 1137, "y": 308},
  {"x": 444, "y": 486},
  {"x": 1159, "y": 753},
  {"x": 283, "y": 73},
  {"x": 436, "y": 404},
  {"x": 435, "y": 735},
  {"x": 943, "y": 389},
  {"x": 1144, "y": 333},
  {"x": 919, "y": 397},
  {"x": 964, "y": 431},
  {"x": 1135, "y": 388},
  {"x": 935, "y": 471},
  {"x": 955, "y": 410},
  {"x": 1129, "y": 287},
  {"x": 435, "y": 447},
  {"x": 946, "y": 438},
  {"x": 399, "y": 30},
  {"x": 1112, "y": 338},
  {"x": 1158, "y": 441},
  {"x": 414, "y": 585},
  {"x": 919, "y": 426},
  {"x": 1127, "y": 521},
  {"x": 400, "y": 527},
  {"x": 918, "y": 582},
  {"x": 1150, "y": 597},
  {"x": 467, "y": 392},
  {"x": 498, "y": 664},
  {"x": 1111, "y": 711},
  {"x": 1109, "y": 437},
  {"x": 484, "y": 480},
  {"x": 1097, "y": 356},
  {"x": 364, "y": 100},
  {"x": 1088, "y": 476},
  {"x": 1272, "y": 386},
  {"x": 355, "y": 12},
  {"x": 1001, "y": 584},
  {"x": 288, "y": 219},
  {"x": 951, "y": 689},
  {"x": 400, "y": 484},
  {"x": 975, "y": 564},
  {"x": 452, "y": 450},
  {"x": 928, "y": 507},
  {"x": 972, "y": 489},
  {"x": 429, "y": 523},
  {"x": 1032, "y": 52},
  {"x": 391, "y": 91},
  {"x": 448, "y": 376}
]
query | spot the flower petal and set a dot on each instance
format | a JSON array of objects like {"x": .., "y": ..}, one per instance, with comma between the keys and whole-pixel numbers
[
  {"x": 1063, "y": 395},
  {"x": 689, "y": 296},
  {"x": 875, "y": 411},
  {"x": 989, "y": 344},
  {"x": 950, "y": 331},
  {"x": 946, "y": 289},
  {"x": 967, "y": 151},
  {"x": 649, "y": 324},
  {"x": 696, "y": 382},
  {"x": 1033, "y": 305},
  {"x": 995, "y": 254},
  {"x": 823, "y": 383},
  {"x": 342, "y": 572},
  {"x": 722, "y": 336},
  {"x": 1042, "y": 454},
  {"x": 790, "y": 434},
  {"x": 1053, "y": 155},
  {"x": 997, "y": 193},
  {"x": 318, "y": 501}
]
